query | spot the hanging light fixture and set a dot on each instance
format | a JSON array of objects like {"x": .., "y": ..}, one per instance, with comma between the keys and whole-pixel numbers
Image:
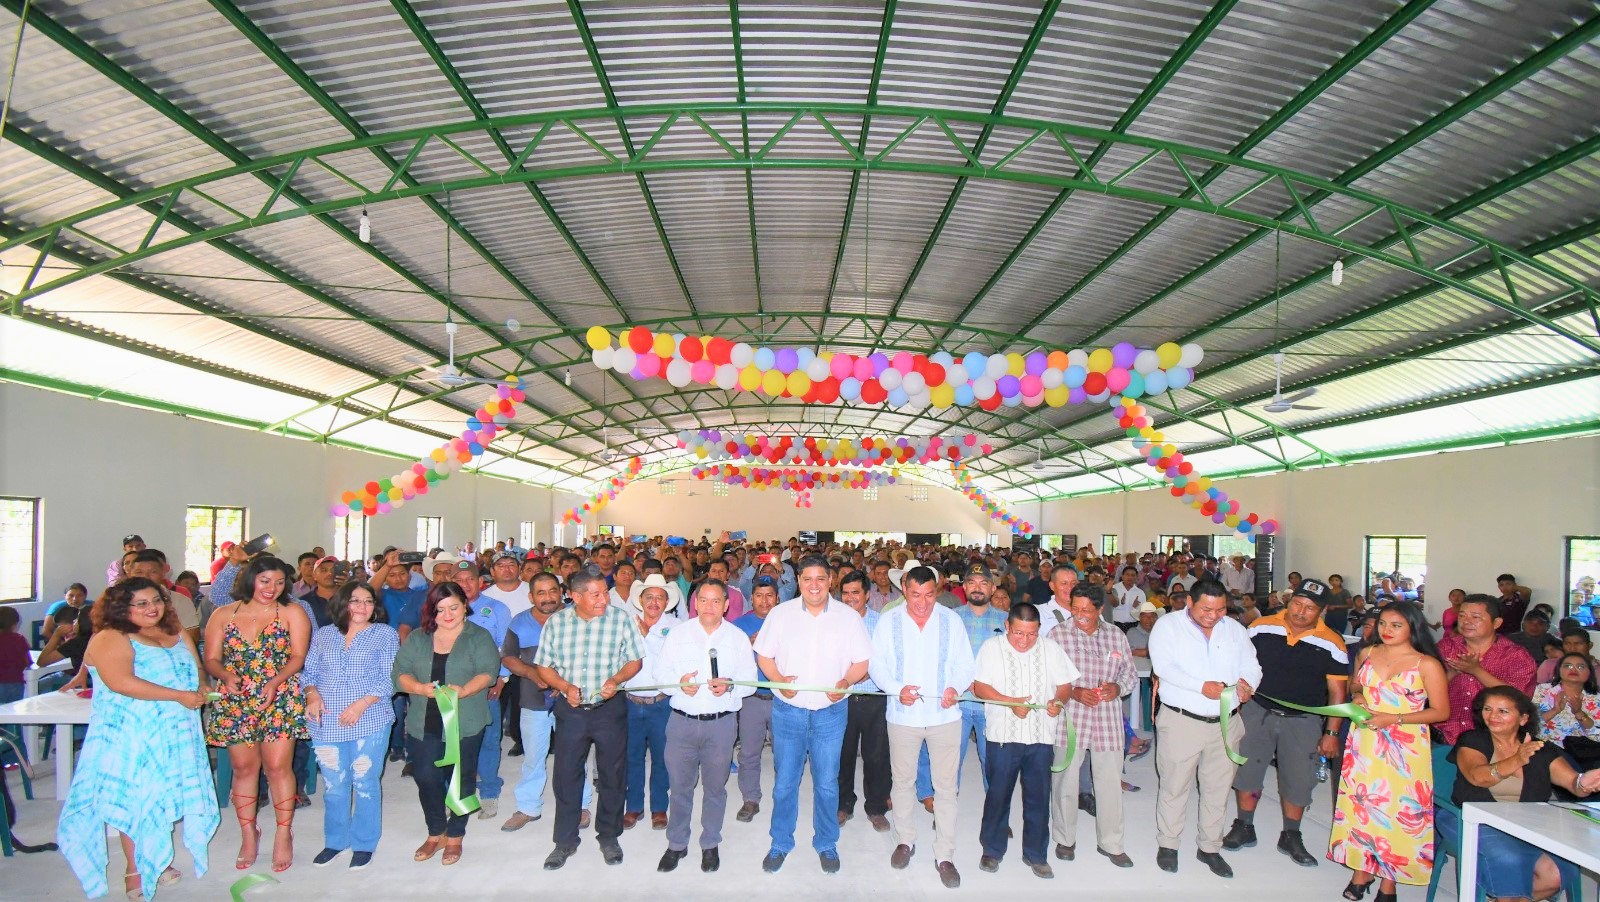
[
  {"x": 364, "y": 231},
  {"x": 1338, "y": 273}
]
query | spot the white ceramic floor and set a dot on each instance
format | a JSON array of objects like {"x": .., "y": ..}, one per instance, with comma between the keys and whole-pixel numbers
[{"x": 509, "y": 865}]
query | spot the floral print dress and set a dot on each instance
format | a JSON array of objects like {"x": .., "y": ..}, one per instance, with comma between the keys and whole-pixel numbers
[
  {"x": 243, "y": 719},
  {"x": 1383, "y": 823}
]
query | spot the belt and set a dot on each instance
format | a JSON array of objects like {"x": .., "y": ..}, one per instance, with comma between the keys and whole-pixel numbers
[
  {"x": 1281, "y": 712},
  {"x": 647, "y": 699},
  {"x": 1191, "y": 714},
  {"x": 599, "y": 704},
  {"x": 716, "y": 716},
  {"x": 763, "y": 693}
]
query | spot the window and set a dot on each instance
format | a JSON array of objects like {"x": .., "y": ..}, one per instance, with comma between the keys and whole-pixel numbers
[
  {"x": 430, "y": 533},
  {"x": 486, "y": 534},
  {"x": 1227, "y": 545},
  {"x": 525, "y": 534},
  {"x": 611, "y": 531},
  {"x": 719, "y": 490},
  {"x": 1406, "y": 556},
  {"x": 994, "y": 540},
  {"x": 205, "y": 528},
  {"x": 870, "y": 493},
  {"x": 1050, "y": 542},
  {"x": 558, "y": 535},
  {"x": 949, "y": 538},
  {"x": 350, "y": 538},
  {"x": 919, "y": 493},
  {"x": 1167, "y": 544},
  {"x": 1109, "y": 545},
  {"x": 1582, "y": 571},
  {"x": 869, "y": 537},
  {"x": 579, "y": 533},
  {"x": 666, "y": 487},
  {"x": 19, "y": 548}
]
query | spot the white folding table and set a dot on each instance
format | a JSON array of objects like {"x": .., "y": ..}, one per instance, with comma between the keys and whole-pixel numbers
[
  {"x": 64, "y": 710},
  {"x": 1555, "y": 830}
]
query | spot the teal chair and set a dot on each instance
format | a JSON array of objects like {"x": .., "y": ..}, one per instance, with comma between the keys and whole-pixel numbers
[{"x": 7, "y": 846}]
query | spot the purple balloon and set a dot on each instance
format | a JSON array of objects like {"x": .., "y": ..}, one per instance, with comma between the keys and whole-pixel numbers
[
  {"x": 1076, "y": 396},
  {"x": 1008, "y": 385},
  {"x": 1035, "y": 363},
  {"x": 880, "y": 362},
  {"x": 1123, "y": 354},
  {"x": 787, "y": 360}
]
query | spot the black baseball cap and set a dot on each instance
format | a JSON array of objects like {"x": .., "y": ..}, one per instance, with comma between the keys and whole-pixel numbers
[
  {"x": 133, "y": 538},
  {"x": 978, "y": 569},
  {"x": 1312, "y": 589}
]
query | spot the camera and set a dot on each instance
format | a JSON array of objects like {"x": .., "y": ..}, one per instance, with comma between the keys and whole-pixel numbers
[{"x": 412, "y": 557}]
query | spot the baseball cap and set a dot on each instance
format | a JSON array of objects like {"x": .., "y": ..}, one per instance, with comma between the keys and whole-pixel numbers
[
  {"x": 1146, "y": 607},
  {"x": 504, "y": 556},
  {"x": 132, "y": 538},
  {"x": 1312, "y": 589},
  {"x": 979, "y": 569},
  {"x": 765, "y": 582}
]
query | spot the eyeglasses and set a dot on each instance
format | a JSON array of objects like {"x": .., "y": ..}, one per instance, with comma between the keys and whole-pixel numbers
[
  {"x": 361, "y": 602},
  {"x": 1574, "y": 666},
  {"x": 147, "y": 603}
]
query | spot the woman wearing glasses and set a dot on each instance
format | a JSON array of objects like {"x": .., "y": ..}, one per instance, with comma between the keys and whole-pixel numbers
[
  {"x": 1569, "y": 709},
  {"x": 143, "y": 765},
  {"x": 348, "y": 683}
]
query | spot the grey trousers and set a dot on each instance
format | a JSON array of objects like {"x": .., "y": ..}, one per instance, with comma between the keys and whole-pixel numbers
[
  {"x": 698, "y": 751},
  {"x": 1064, "y": 790},
  {"x": 755, "y": 724}
]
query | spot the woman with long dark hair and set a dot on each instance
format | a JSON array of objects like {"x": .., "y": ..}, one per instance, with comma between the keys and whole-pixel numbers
[
  {"x": 256, "y": 647},
  {"x": 143, "y": 766},
  {"x": 1569, "y": 708},
  {"x": 348, "y": 681},
  {"x": 1383, "y": 822}
]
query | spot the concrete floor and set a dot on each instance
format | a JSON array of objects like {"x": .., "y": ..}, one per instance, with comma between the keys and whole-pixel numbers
[{"x": 506, "y": 865}]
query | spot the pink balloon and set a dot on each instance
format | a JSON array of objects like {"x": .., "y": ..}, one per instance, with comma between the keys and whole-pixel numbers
[
  {"x": 862, "y": 369},
  {"x": 904, "y": 362},
  {"x": 703, "y": 371},
  {"x": 842, "y": 366},
  {"x": 650, "y": 364},
  {"x": 341, "y": 510},
  {"x": 1031, "y": 385},
  {"x": 1117, "y": 379}
]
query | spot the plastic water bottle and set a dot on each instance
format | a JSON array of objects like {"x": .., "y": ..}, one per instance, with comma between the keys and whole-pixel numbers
[{"x": 1322, "y": 769}]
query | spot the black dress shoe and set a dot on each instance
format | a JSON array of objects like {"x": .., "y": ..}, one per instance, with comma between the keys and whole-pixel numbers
[
  {"x": 1086, "y": 803},
  {"x": 830, "y": 862},
  {"x": 1120, "y": 859},
  {"x": 709, "y": 860},
  {"x": 1291, "y": 844},
  {"x": 948, "y": 875},
  {"x": 670, "y": 859},
  {"x": 558, "y": 857},
  {"x": 1167, "y": 860},
  {"x": 611, "y": 851},
  {"x": 773, "y": 861},
  {"x": 516, "y": 751},
  {"x": 1240, "y": 836},
  {"x": 1066, "y": 853},
  {"x": 989, "y": 863},
  {"x": 1214, "y": 861}
]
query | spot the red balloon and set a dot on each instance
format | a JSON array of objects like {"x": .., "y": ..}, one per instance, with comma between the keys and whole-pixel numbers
[
  {"x": 1094, "y": 383},
  {"x": 1186, "y": 468},
  {"x": 733, "y": 447},
  {"x": 872, "y": 392},
  {"x": 933, "y": 373},
  {"x": 718, "y": 350},
  {"x": 1177, "y": 491},
  {"x": 640, "y": 339},
  {"x": 1254, "y": 518},
  {"x": 372, "y": 488},
  {"x": 691, "y": 349},
  {"x": 991, "y": 403}
]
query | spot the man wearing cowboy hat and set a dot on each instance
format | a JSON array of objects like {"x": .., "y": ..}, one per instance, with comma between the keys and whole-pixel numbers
[{"x": 648, "y": 709}]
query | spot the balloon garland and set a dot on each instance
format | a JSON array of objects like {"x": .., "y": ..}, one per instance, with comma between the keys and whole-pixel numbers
[
  {"x": 714, "y": 444},
  {"x": 988, "y": 505},
  {"x": 380, "y": 496},
  {"x": 903, "y": 379},
  {"x": 605, "y": 493},
  {"x": 1185, "y": 483},
  {"x": 793, "y": 480}
]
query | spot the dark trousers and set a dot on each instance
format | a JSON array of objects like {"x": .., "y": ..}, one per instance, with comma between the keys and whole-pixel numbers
[
  {"x": 397, "y": 733},
  {"x": 511, "y": 711},
  {"x": 604, "y": 728},
  {"x": 866, "y": 728},
  {"x": 1009, "y": 761},
  {"x": 433, "y": 782}
]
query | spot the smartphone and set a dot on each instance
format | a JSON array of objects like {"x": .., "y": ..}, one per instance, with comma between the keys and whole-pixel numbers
[
  {"x": 766, "y": 559},
  {"x": 739, "y": 536},
  {"x": 412, "y": 557},
  {"x": 677, "y": 541},
  {"x": 341, "y": 570},
  {"x": 638, "y": 540},
  {"x": 258, "y": 544}
]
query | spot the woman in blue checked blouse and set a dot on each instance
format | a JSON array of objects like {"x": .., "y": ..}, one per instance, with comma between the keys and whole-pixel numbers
[{"x": 347, "y": 683}]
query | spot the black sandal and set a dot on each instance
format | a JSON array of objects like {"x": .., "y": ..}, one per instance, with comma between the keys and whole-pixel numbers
[
  {"x": 1355, "y": 892},
  {"x": 1385, "y": 897}
]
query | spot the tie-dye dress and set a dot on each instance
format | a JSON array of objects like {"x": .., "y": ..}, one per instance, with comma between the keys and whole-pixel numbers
[{"x": 1383, "y": 823}]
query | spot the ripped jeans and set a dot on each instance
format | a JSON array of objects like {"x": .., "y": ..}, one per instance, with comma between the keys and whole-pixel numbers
[{"x": 352, "y": 768}]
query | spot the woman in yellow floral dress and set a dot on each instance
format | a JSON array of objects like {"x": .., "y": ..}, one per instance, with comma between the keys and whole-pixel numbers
[
  {"x": 1383, "y": 823},
  {"x": 255, "y": 648}
]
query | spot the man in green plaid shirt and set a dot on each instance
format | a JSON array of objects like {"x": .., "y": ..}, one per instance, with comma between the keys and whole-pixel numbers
[{"x": 586, "y": 652}]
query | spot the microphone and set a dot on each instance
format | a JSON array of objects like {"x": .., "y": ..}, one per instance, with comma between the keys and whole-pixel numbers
[{"x": 713, "y": 663}]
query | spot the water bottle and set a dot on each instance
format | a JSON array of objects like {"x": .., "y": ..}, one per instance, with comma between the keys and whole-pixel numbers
[{"x": 1322, "y": 769}]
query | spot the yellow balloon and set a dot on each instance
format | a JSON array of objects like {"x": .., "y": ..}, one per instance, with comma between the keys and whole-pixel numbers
[
  {"x": 772, "y": 382},
  {"x": 1015, "y": 364},
  {"x": 1100, "y": 360},
  {"x": 1168, "y": 354},
  {"x": 665, "y": 345},
  {"x": 700, "y": 452},
  {"x": 598, "y": 338},
  {"x": 750, "y": 378},
  {"x": 799, "y": 383},
  {"x": 1058, "y": 396},
  {"x": 943, "y": 395},
  {"x": 1205, "y": 483},
  {"x": 1168, "y": 450},
  {"x": 1146, "y": 431},
  {"x": 622, "y": 338},
  {"x": 1232, "y": 520}
]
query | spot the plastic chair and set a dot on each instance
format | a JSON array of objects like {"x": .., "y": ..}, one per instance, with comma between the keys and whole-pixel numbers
[{"x": 7, "y": 846}]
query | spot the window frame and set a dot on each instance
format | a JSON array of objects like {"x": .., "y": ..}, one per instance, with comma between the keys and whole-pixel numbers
[
  {"x": 488, "y": 529},
  {"x": 1110, "y": 544},
  {"x": 1367, "y": 572},
  {"x": 435, "y": 526},
  {"x": 36, "y": 506},
  {"x": 216, "y": 543},
  {"x": 1568, "y": 580},
  {"x": 342, "y": 547},
  {"x": 526, "y": 530}
]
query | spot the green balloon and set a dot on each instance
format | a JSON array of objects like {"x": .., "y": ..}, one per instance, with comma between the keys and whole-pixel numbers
[{"x": 385, "y": 484}]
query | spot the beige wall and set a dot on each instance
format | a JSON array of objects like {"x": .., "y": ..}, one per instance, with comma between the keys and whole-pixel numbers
[{"x": 1483, "y": 512}]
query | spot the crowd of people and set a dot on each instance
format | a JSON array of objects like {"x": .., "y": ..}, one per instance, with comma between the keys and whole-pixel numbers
[{"x": 637, "y": 680}]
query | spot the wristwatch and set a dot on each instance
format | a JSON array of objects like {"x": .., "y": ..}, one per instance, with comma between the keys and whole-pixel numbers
[
  {"x": 1330, "y": 732},
  {"x": 1494, "y": 770}
]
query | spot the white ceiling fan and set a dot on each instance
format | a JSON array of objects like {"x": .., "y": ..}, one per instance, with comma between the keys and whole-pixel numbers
[
  {"x": 1280, "y": 404},
  {"x": 447, "y": 373}
]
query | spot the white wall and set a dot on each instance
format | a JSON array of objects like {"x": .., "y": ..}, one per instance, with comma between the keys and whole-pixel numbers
[
  {"x": 1484, "y": 512},
  {"x": 109, "y": 470}
]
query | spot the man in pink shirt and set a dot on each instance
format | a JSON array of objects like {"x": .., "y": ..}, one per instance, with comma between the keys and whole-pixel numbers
[{"x": 1476, "y": 658}]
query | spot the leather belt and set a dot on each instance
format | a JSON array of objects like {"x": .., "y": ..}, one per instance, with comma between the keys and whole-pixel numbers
[
  {"x": 1191, "y": 715},
  {"x": 648, "y": 699},
  {"x": 716, "y": 716}
]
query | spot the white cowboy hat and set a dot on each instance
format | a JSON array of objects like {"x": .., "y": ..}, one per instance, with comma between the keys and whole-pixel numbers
[{"x": 655, "y": 581}]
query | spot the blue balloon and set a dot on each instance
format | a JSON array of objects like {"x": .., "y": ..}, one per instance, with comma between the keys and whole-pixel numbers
[
  {"x": 1074, "y": 376},
  {"x": 1179, "y": 377},
  {"x": 475, "y": 448},
  {"x": 850, "y": 388},
  {"x": 804, "y": 356},
  {"x": 474, "y": 424},
  {"x": 964, "y": 395},
  {"x": 1011, "y": 400},
  {"x": 1245, "y": 526},
  {"x": 898, "y": 397},
  {"x": 765, "y": 359},
  {"x": 1213, "y": 491},
  {"x": 974, "y": 363},
  {"x": 1155, "y": 382}
]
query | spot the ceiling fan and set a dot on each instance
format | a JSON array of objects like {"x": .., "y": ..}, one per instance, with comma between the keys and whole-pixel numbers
[
  {"x": 1280, "y": 404},
  {"x": 447, "y": 373}
]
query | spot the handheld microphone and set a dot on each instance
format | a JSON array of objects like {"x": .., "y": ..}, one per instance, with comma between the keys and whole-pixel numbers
[{"x": 713, "y": 663}]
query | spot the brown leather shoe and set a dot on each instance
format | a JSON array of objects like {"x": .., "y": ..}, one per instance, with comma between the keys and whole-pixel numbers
[
  {"x": 429, "y": 848},
  {"x": 629, "y": 818},
  {"x": 928, "y": 804},
  {"x": 879, "y": 822},
  {"x": 1066, "y": 853},
  {"x": 901, "y": 857},
  {"x": 452, "y": 850},
  {"x": 658, "y": 820},
  {"x": 844, "y": 816},
  {"x": 948, "y": 875},
  {"x": 747, "y": 811}
]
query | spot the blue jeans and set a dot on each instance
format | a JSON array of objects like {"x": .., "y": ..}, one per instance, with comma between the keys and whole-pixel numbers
[
  {"x": 973, "y": 720},
  {"x": 798, "y": 733},
  {"x": 647, "y": 732},
  {"x": 352, "y": 768},
  {"x": 1007, "y": 762},
  {"x": 489, "y": 780},
  {"x": 529, "y": 791},
  {"x": 1505, "y": 863}
]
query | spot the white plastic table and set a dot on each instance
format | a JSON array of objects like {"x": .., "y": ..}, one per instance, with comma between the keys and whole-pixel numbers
[
  {"x": 1555, "y": 830},
  {"x": 33, "y": 675},
  {"x": 64, "y": 711}
]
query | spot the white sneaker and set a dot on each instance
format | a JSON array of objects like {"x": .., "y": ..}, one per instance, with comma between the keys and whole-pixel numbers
[{"x": 489, "y": 809}]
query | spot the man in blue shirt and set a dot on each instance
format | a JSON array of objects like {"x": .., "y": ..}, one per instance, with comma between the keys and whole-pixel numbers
[
  {"x": 755, "y": 716},
  {"x": 494, "y": 616},
  {"x": 403, "y": 604}
]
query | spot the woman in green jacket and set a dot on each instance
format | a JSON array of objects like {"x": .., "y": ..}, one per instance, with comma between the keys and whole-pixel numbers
[{"x": 446, "y": 651}]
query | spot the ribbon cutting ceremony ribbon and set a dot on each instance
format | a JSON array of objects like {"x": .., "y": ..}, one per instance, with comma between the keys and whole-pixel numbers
[
  {"x": 1230, "y": 701},
  {"x": 246, "y": 884},
  {"x": 1349, "y": 710},
  {"x": 449, "y": 713}
]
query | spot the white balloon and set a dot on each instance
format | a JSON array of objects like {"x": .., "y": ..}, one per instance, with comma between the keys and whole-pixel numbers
[
  {"x": 727, "y": 377},
  {"x": 1078, "y": 357},
  {"x": 914, "y": 383},
  {"x": 1146, "y": 362},
  {"x": 679, "y": 372},
  {"x": 685, "y": 436},
  {"x": 623, "y": 361},
  {"x": 1100, "y": 398},
  {"x": 955, "y": 374},
  {"x": 1050, "y": 378},
  {"x": 890, "y": 379},
  {"x": 741, "y": 355},
  {"x": 998, "y": 366},
  {"x": 1191, "y": 355},
  {"x": 603, "y": 357},
  {"x": 983, "y": 388}
]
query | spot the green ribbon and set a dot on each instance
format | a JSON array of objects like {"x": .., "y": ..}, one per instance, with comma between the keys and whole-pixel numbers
[
  {"x": 449, "y": 713},
  {"x": 1349, "y": 710},
  {"x": 1230, "y": 701},
  {"x": 246, "y": 884}
]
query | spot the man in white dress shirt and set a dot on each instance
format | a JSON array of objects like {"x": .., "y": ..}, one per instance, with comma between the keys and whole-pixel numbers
[
  {"x": 1127, "y": 596},
  {"x": 1196, "y": 653},
  {"x": 1236, "y": 577},
  {"x": 922, "y": 659},
  {"x": 707, "y": 653},
  {"x": 1057, "y": 610}
]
